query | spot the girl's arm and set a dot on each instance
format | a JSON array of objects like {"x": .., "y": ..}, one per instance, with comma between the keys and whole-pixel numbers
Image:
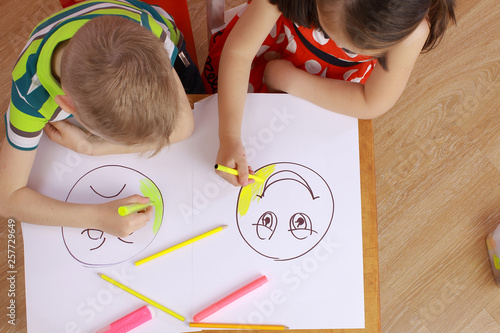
[
  {"x": 239, "y": 51},
  {"x": 375, "y": 97}
]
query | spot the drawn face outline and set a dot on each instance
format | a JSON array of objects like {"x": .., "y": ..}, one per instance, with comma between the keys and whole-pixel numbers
[
  {"x": 296, "y": 221},
  {"x": 93, "y": 240}
]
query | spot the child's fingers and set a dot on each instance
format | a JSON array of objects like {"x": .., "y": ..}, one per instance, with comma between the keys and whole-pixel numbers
[
  {"x": 145, "y": 215},
  {"x": 136, "y": 198},
  {"x": 251, "y": 172},
  {"x": 61, "y": 125},
  {"x": 136, "y": 221},
  {"x": 242, "y": 168},
  {"x": 57, "y": 130},
  {"x": 233, "y": 180},
  {"x": 143, "y": 218},
  {"x": 51, "y": 131}
]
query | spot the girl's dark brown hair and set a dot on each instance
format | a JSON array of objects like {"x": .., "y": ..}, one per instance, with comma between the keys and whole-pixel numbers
[
  {"x": 302, "y": 12},
  {"x": 374, "y": 24}
]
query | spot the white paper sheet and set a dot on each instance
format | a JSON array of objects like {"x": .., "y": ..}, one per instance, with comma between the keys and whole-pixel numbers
[{"x": 302, "y": 228}]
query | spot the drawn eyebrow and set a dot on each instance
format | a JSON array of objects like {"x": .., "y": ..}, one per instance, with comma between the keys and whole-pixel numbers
[
  {"x": 111, "y": 196},
  {"x": 302, "y": 181}
]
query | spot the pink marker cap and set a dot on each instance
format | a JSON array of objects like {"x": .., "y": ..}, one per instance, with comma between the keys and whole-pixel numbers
[{"x": 130, "y": 321}]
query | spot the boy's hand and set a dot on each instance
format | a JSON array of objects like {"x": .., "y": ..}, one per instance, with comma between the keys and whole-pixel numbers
[
  {"x": 232, "y": 154},
  {"x": 71, "y": 136},
  {"x": 122, "y": 226},
  {"x": 278, "y": 75}
]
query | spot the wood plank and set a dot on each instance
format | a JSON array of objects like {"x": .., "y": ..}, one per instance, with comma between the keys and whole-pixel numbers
[
  {"x": 483, "y": 323},
  {"x": 438, "y": 181},
  {"x": 370, "y": 231},
  {"x": 492, "y": 307}
]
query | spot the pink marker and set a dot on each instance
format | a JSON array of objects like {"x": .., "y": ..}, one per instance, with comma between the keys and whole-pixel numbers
[
  {"x": 229, "y": 299},
  {"x": 130, "y": 321}
]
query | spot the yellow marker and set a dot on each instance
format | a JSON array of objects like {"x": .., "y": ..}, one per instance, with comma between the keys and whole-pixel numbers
[
  {"x": 240, "y": 326},
  {"x": 178, "y": 246},
  {"x": 144, "y": 298},
  {"x": 235, "y": 172},
  {"x": 133, "y": 208},
  {"x": 149, "y": 190},
  {"x": 250, "y": 192}
]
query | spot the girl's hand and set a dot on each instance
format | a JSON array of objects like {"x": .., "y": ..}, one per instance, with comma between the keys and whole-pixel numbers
[
  {"x": 233, "y": 155},
  {"x": 278, "y": 75},
  {"x": 72, "y": 137},
  {"x": 109, "y": 221}
]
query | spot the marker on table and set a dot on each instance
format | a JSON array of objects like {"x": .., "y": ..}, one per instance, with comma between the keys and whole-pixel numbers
[
  {"x": 241, "y": 326},
  {"x": 133, "y": 208},
  {"x": 130, "y": 321},
  {"x": 230, "y": 298},
  {"x": 142, "y": 297},
  {"x": 178, "y": 246},
  {"x": 235, "y": 172}
]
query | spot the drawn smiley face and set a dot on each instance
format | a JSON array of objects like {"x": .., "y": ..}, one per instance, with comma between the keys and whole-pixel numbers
[
  {"x": 93, "y": 247},
  {"x": 288, "y": 214}
]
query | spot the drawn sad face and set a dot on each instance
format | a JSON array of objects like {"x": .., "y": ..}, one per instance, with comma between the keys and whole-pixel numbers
[
  {"x": 287, "y": 215},
  {"x": 93, "y": 247}
]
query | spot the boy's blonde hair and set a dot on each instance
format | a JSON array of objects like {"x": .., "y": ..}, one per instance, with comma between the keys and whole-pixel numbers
[{"x": 120, "y": 79}]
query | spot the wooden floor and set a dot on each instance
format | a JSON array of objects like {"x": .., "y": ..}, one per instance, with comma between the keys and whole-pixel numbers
[{"x": 437, "y": 166}]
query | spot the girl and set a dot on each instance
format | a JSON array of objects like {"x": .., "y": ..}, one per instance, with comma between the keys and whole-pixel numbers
[{"x": 352, "y": 57}]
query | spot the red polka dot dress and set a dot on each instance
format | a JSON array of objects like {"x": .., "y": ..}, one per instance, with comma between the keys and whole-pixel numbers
[{"x": 308, "y": 49}]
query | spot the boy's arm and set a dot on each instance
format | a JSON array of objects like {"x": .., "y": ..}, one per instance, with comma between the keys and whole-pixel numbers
[
  {"x": 27, "y": 205},
  {"x": 375, "y": 97},
  {"x": 239, "y": 51}
]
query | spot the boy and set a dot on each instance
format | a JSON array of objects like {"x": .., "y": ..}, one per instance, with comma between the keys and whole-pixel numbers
[{"x": 110, "y": 64}]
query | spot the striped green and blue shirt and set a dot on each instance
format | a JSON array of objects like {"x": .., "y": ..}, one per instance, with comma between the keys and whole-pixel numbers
[{"x": 33, "y": 85}]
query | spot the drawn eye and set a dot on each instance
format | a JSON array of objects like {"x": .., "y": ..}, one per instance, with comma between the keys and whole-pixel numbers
[
  {"x": 266, "y": 225},
  {"x": 95, "y": 234},
  {"x": 301, "y": 226}
]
